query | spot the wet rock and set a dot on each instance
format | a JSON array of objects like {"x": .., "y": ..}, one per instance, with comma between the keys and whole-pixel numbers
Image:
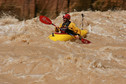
[
  {"x": 105, "y": 5},
  {"x": 22, "y": 9}
]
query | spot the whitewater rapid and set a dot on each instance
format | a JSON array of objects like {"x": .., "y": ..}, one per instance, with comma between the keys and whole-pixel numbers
[{"x": 27, "y": 56}]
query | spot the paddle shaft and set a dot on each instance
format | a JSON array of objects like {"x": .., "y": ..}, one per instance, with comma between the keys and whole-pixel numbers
[
  {"x": 54, "y": 25},
  {"x": 82, "y": 20}
]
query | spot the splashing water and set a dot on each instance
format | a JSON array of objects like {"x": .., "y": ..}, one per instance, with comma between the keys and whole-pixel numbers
[{"x": 27, "y": 56}]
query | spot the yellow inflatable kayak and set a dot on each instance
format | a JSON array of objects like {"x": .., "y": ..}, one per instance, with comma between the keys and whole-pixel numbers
[{"x": 65, "y": 37}]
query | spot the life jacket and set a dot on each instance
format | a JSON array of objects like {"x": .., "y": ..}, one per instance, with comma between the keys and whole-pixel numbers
[{"x": 65, "y": 27}]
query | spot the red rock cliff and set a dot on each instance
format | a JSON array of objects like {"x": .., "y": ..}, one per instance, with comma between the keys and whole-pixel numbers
[
  {"x": 104, "y": 5},
  {"x": 21, "y": 8},
  {"x": 25, "y": 9}
]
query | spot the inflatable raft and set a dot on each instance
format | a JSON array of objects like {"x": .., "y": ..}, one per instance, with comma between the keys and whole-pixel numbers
[{"x": 64, "y": 36}]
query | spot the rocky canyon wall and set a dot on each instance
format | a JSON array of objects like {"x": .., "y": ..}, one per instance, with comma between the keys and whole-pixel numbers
[
  {"x": 22, "y": 9},
  {"x": 25, "y": 9}
]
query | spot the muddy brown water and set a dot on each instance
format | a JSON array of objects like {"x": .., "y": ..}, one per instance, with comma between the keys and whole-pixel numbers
[{"x": 27, "y": 56}]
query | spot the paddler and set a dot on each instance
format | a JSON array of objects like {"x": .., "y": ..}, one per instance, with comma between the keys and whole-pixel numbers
[{"x": 68, "y": 27}]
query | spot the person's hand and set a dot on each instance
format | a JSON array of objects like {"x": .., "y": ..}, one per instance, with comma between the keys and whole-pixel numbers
[
  {"x": 56, "y": 29},
  {"x": 77, "y": 36}
]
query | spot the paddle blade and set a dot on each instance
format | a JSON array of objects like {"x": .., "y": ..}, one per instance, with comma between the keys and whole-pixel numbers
[
  {"x": 85, "y": 41},
  {"x": 45, "y": 20}
]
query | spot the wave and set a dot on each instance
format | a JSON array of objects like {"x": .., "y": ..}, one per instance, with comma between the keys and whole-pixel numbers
[{"x": 28, "y": 56}]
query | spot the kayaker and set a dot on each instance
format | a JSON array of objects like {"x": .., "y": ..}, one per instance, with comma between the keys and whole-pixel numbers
[{"x": 68, "y": 27}]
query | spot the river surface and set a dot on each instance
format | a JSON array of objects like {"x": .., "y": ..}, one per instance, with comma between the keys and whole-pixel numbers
[{"x": 27, "y": 56}]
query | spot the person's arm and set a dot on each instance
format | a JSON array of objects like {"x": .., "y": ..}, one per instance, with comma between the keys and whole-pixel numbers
[
  {"x": 76, "y": 29},
  {"x": 57, "y": 29}
]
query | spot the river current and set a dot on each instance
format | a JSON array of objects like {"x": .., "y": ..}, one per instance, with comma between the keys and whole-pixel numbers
[{"x": 27, "y": 56}]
